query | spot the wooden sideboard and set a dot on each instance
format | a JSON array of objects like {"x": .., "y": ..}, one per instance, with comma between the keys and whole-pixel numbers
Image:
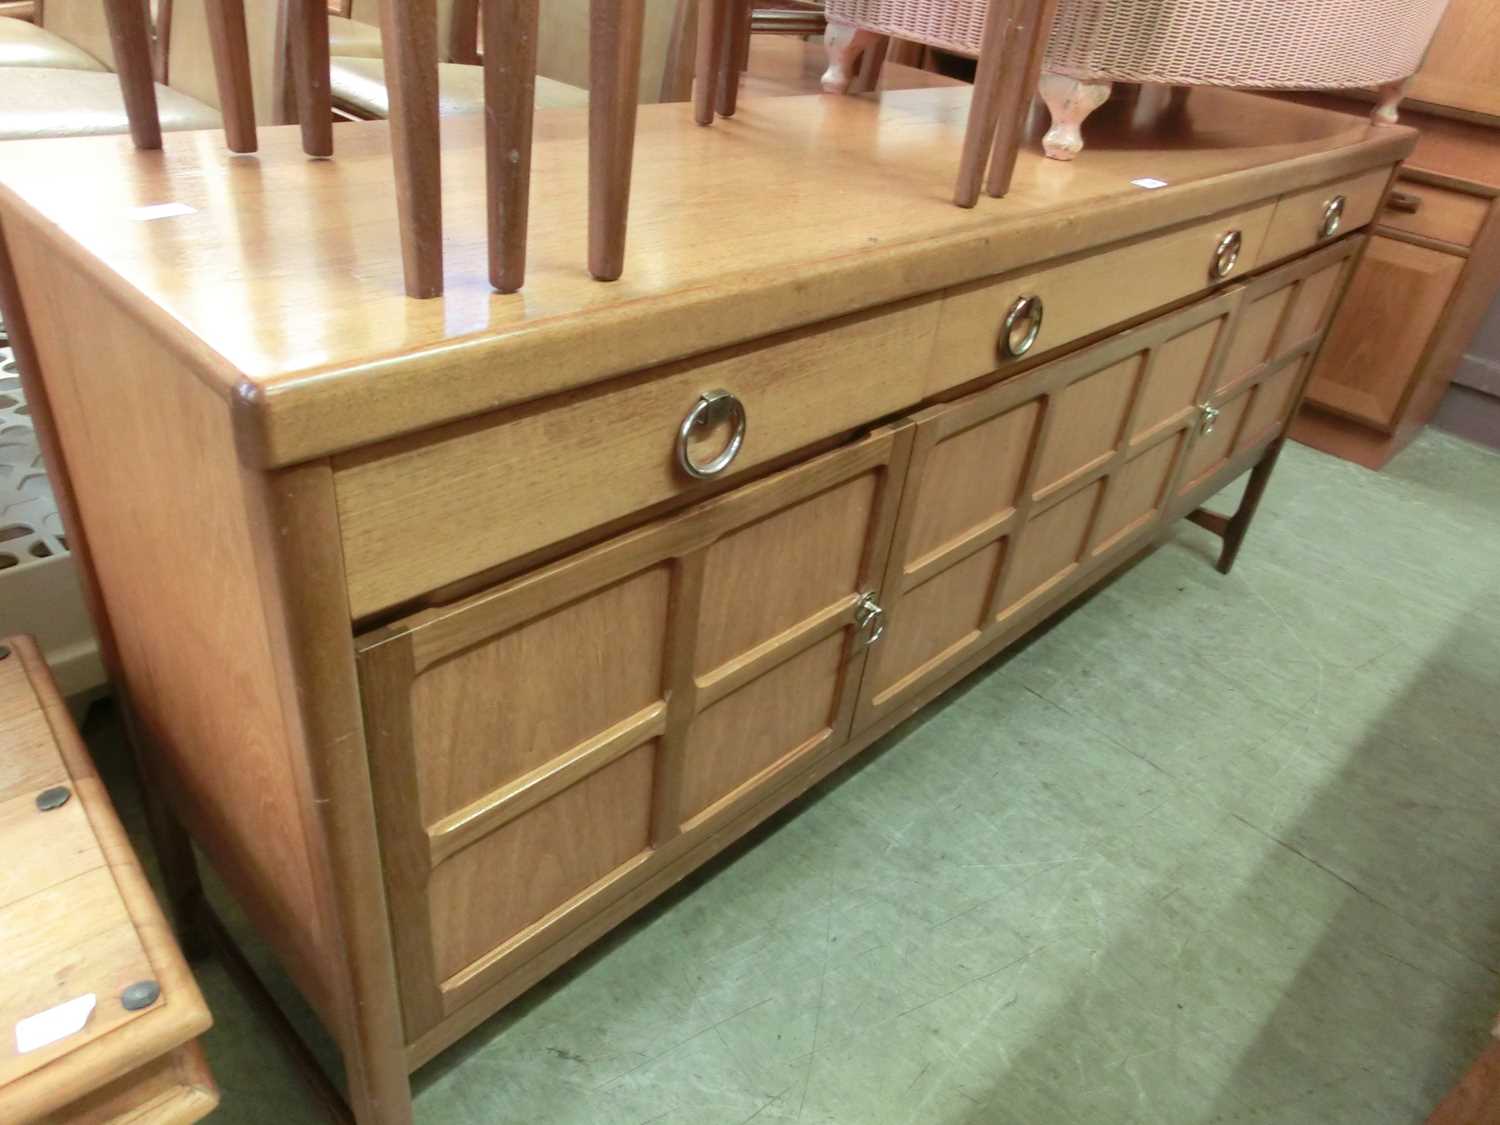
[{"x": 437, "y": 649}]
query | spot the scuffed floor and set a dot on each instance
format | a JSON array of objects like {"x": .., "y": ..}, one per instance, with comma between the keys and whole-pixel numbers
[{"x": 1207, "y": 850}]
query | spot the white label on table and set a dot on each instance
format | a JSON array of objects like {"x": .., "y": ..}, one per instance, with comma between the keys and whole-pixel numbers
[
  {"x": 160, "y": 211},
  {"x": 46, "y": 1028},
  {"x": 1150, "y": 183}
]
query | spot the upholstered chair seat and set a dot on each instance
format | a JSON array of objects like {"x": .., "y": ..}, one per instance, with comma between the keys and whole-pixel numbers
[
  {"x": 41, "y": 102},
  {"x": 26, "y": 44},
  {"x": 358, "y": 87}
]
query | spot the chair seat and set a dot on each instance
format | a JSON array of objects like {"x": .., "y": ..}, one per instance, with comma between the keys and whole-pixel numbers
[
  {"x": 25, "y": 44},
  {"x": 358, "y": 87},
  {"x": 36, "y": 102},
  {"x": 351, "y": 39}
]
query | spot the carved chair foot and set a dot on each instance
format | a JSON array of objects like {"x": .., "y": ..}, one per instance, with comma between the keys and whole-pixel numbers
[
  {"x": 846, "y": 45},
  {"x": 1070, "y": 101}
]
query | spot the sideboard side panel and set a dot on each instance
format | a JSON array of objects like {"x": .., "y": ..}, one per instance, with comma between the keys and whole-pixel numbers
[{"x": 174, "y": 559}]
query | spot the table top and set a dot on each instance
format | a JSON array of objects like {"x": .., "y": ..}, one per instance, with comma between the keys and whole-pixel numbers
[
  {"x": 78, "y": 922},
  {"x": 279, "y": 277}
]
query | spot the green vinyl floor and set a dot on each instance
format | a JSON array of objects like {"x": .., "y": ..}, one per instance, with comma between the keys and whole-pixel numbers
[{"x": 1206, "y": 849}]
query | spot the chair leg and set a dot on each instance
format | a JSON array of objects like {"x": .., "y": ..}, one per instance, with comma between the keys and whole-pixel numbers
[
  {"x": 1070, "y": 101},
  {"x": 736, "y": 45},
  {"x": 231, "y": 50},
  {"x": 845, "y": 44},
  {"x": 713, "y": 15},
  {"x": 130, "y": 38},
  {"x": 307, "y": 28},
  {"x": 510, "y": 31},
  {"x": 984, "y": 107},
  {"x": 1020, "y": 85},
  {"x": 1388, "y": 111},
  {"x": 408, "y": 30},
  {"x": 614, "y": 83}
]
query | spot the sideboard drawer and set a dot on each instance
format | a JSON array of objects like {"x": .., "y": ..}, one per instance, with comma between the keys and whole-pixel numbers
[
  {"x": 420, "y": 513},
  {"x": 1433, "y": 212},
  {"x": 1303, "y": 219},
  {"x": 1085, "y": 295}
]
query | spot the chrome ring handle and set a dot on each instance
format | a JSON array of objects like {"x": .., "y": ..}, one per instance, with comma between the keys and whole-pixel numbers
[
  {"x": 1226, "y": 255},
  {"x": 1210, "y": 414},
  {"x": 711, "y": 408},
  {"x": 867, "y": 612},
  {"x": 1027, "y": 312},
  {"x": 1333, "y": 216}
]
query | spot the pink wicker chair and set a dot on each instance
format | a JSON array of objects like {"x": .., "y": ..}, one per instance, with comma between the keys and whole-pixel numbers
[{"x": 1261, "y": 44}]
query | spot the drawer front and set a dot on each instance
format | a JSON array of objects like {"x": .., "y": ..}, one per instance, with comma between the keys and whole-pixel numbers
[
  {"x": 1301, "y": 223},
  {"x": 1086, "y": 295},
  {"x": 540, "y": 749},
  {"x": 1434, "y": 212},
  {"x": 1016, "y": 493},
  {"x": 421, "y": 513}
]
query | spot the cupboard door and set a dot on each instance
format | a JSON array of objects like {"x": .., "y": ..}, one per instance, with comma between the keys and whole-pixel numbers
[
  {"x": 540, "y": 748},
  {"x": 1015, "y": 490},
  {"x": 1398, "y": 296},
  {"x": 1279, "y": 327}
]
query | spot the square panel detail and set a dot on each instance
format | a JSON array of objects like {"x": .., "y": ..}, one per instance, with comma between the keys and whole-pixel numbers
[{"x": 1089, "y": 419}]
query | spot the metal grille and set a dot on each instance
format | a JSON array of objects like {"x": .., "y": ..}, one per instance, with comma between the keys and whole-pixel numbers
[
  {"x": 1285, "y": 44},
  {"x": 31, "y": 531}
]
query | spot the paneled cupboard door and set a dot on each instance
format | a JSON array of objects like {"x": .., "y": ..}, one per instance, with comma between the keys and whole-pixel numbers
[
  {"x": 1282, "y": 321},
  {"x": 1016, "y": 490},
  {"x": 540, "y": 748}
]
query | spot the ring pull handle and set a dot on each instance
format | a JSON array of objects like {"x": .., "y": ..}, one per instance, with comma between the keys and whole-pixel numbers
[
  {"x": 712, "y": 408},
  {"x": 1227, "y": 255},
  {"x": 1210, "y": 414},
  {"x": 1333, "y": 216},
  {"x": 869, "y": 619},
  {"x": 1023, "y": 324}
]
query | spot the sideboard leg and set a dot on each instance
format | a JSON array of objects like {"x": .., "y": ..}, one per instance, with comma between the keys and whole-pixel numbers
[
  {"x": 1232, "y": 529},
  {"x": 170, "y": 841},
  {"x": 1070, "y": 101},
  {"x": 1388, "y": 112}
]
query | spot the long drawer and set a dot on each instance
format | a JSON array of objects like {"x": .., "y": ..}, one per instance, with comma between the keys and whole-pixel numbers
[
  {"x": 421, "y": 513},
  {"x": 1080, "y": 297},
  {"x": 1307, "y": 218}
]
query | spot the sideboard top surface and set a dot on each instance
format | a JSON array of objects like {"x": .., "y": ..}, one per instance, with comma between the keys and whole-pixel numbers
[{"x": 280, "y": 277}]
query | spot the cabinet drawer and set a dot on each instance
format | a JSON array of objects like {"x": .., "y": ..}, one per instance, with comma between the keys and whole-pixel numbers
[
  {"x": 540, "y": 749},
  {"x": 1301, "y": 219},
  {"x": 1086, "y": 295},
  {"x": 1434, "y": 212},
  {"x": 419, "y": 513}
]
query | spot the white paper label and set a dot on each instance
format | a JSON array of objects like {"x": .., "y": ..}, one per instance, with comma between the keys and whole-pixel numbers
[
  {"x": 160, "y": 211},
  {"x": 46, "y": 1028},
  {"x": 1149, "y": 183}
]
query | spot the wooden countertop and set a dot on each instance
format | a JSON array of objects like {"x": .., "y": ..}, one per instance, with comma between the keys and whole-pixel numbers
[{"x": 283, "y": 283}]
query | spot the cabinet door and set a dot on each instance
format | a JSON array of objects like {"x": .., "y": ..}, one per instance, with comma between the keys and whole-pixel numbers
[
  {"x": 540, "y": 748},
  {"x": 1398, "y": 296},
  {"x": 1279, "y": 328},
  {"x": 1459, "y": 70},
  {"x": 1015, "y": 491}
]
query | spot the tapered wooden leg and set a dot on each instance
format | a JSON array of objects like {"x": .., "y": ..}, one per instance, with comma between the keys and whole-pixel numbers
[
  {"x": 408, "y": 29},
  {"x": 995, "y": 62},
  {"x": 510, "y": 30},
  {"x": 130, "y": 38},
  {"x": 1232, "y": 529},
  {"x": 713, "y": 15},
  {"x": 307, "y": 30},
  {"x": 614, "y": 81},
  {"x": 871, "y": 63},
  {"x": 736, "y": 45},
  {"x": 231, "y": 51},
  {"x": 1030, "y": 38}
]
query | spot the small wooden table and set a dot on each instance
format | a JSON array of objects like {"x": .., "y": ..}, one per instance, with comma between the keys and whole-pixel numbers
[{"x": 99, "y": 1009}]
